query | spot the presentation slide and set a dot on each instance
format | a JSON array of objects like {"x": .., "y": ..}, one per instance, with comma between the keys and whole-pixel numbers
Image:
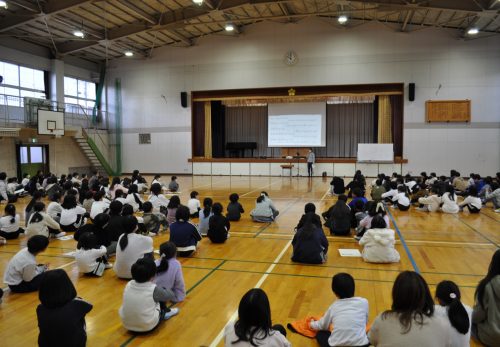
[{"x": 296, "y": 125}]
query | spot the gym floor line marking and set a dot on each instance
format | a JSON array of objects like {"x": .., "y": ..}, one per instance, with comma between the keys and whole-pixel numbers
[
  {"x": 131, "y": 338},
  {"x": 478, "y": 232},
  {"x": 403, "y": 242},
  {"x": 271, "y": 267},
  {"x": 256, "y": 190},
  {"x": 487, "y": 215}
]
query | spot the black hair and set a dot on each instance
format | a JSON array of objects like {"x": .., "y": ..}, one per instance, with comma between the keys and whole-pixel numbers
[
  {"x": 493, "y": 270},
  {"x": 118, "y": 193},
  {"x": 254, "y": 317},
  {"x": 342, "y": 197},
  {"x": 402, "y": 189},
  {"x": 193, "y": 194},
  {"x": 378, "y": 182},
  {"x": 260, "y": 198},
  {"x": 133, "y": 189},
  {"x": 10, "y": 210},
  {"x": 37, "y": 195},
  {"x": 357, "y": 191},
  {"x": 168, "y": 250},
  {"x": 56, "y": 289},
  {"x": 207, "y": 206},
  {"x": 3, "y": 176},
  {"x": 343, "y": 285},
  {"x": 56, "y": 197},
  {"x": 173, "y": 178},
  {"x": 378, "y": 222},
  {"x": 156, "y": 188},
  {"x": 448, "y": 294},
  {"x": 217, "y": 209},
  {"x": 143, "y": 270},
  {"x": 411, "y": 300},
  {"x": 69, "y": 202},
  {"x": 115, "y": 208},
  {"x": 89, "y": 195},
  {"x": 310, "y": 207},
  {"x": 37, "y": 244},
  {"x": 99, "y": 195},
  {"x": 127, "y": 210},
  {"x": 376, "y": 208},
  {"x": 67, "y": 185},
  {"x": 37, "y": 216},
  {"x": 433, "y": 174},
  {"x": 182, "y": 214},
  {"x": 358, "y": 205},
  {"x": 472, "y": 191},
  {"x": 156, "y": 177},
  {"x": 174, "y": 202},
  {"x": 101, "y": 220},
  {"x": 129, "y": 225},
  {"x": 147, "y": 207},
  {"x": 87, "y": 241},
  {"x": 264, "y": 193},
  {"x": 115, "y": 181},
  {"x": 234, "y": 197},
  {"x": 308, "y": 227},
  {"x": 393, "y": 185},
  {"x": 451, "y": 191}
]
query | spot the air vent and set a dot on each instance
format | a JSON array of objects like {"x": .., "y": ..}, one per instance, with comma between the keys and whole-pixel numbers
[
  {"x": 9, "y": 132},
  {"x": 144, "y": 139}
]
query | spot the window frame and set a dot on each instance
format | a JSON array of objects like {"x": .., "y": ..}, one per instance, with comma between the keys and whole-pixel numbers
[{"x": 19, "y": 88}]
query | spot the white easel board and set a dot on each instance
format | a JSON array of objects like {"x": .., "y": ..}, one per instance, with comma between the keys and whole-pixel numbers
[{"x": 376, "y": 152}]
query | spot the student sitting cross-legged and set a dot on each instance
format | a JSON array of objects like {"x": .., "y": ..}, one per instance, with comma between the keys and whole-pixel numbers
[
  {"x": 140, "y": 310},
  {"x": 234, "y": 208},
  {"x": 378, "y": 243},
  {"x": 61, "y": 314},
  {"x": 218, "y": 225},
  {"x": 184, "y": 234},
  {"x": 169, "y": 271},
  {"x": 9, "y": 223},
  {"x": 348, "y": 315},
  {"x": 90, "y": 257},
  {"x": 23, "y": 274},
  {"x": 310, "y": 245}
]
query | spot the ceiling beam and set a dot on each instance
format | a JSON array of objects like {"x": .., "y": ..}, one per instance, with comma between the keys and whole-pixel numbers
[
  {"x": 168, "y": 21},
  {"x": 138, "y": 12},
  {"x": 50, "y": 7},
  {"x": 452, "y": 5},
  {"x": 26, "y": 5}
]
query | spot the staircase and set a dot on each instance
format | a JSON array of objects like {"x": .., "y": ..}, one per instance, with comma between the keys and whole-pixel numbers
[{"x": 89, "y": 153}]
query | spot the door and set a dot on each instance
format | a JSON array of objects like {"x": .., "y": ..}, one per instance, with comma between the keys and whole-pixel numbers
[{"x": 31, "y": 158}]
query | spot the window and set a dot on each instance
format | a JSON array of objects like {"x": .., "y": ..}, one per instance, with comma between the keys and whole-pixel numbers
[
  {"x": 79, "y": 92},
  {"x": 20, "y": 82}
]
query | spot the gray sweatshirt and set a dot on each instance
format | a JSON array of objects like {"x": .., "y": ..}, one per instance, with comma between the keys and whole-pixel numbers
[{"x": 487, "y": 316}]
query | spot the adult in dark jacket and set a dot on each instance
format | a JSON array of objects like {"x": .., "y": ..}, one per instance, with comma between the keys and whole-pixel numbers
[
  {"x": 218, "y": 225},
  {"x": 338, "y": 218},
  {"x": 310, "y": 245}
]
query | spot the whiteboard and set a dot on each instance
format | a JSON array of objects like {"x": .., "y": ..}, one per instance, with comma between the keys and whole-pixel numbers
[{"x": 376, "y": 152}]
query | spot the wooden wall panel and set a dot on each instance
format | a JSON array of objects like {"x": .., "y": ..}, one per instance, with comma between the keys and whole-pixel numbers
[{"x": 447, "y": 111}]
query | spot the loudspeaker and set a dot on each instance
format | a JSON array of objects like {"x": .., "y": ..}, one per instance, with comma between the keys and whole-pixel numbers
[
  {"x": 184, "y": 99},
  {"x": 411, "y": 91}
]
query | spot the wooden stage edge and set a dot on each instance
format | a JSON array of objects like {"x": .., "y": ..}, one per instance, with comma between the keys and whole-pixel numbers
[{"x": 283, "y": 160}]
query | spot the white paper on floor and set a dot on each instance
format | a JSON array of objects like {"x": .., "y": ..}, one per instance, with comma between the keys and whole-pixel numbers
[{"x": 349, "y": 252}]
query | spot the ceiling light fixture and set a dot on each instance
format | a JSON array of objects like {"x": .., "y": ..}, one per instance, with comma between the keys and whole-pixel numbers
[
  {"x": 3, "y": 4},
  {"x": 473, "y": 31},
  {"x": 198, "y": 2},
  {"x": 342, "y": 19},
  {"x": 78, "y": 33},
  {"x": 129, "y": 54},
  {"x": 229, "y": 27}
]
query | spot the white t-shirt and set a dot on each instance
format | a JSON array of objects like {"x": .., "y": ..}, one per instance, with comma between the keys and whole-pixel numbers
[
  {"x": 98, "y": 207},
  {"x": 7, "y": 226},
  {"x": 402, "y": 199},
  {"x": 54, "y": 210},
  {"x": 71, "y": 216},
  {"x": 193, "y": 205},
  {"x": 473, "y": 201},
  {"x": 131, "y": 201},
  {"x": 86, "y": 259},
  {"x": 22, "y": 267},
  {"x": 349, "y": 317},
  {"x": 458, "y": 339},
  {"x": 274, "y": 339},
  {"x": 390, "y": 194},
  {"x": 137, "y": 246},
  {"x": 157, "y": 201}
]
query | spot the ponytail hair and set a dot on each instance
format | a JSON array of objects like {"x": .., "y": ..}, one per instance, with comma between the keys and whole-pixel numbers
[
  {"x": 10, "y": 210},
  {"x": 129, "y": 226},
  {"x": 207, "y": 206},
  {"x": 37, "y": 216},
  {"x": 168, "y": 250},
  {"x": 448, "y": 294}
]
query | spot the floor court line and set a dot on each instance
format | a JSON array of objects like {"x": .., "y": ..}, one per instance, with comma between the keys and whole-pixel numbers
[
  {"x": 478, "y": 232},
  {"x": 256, "y": 190}
]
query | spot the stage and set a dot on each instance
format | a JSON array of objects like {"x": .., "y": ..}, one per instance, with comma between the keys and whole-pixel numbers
[{"x": 273, "y": 167}]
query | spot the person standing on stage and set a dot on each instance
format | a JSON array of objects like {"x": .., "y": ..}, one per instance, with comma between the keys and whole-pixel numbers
[{"x": 311, "y": 158}]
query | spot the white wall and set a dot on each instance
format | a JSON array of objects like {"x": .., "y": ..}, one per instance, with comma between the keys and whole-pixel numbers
[{"x": 371, "y": 53}]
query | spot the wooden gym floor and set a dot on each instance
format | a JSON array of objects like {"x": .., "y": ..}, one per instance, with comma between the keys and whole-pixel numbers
[{"x": 440, "y": 246}]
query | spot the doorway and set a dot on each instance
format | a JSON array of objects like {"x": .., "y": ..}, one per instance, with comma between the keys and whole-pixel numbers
[{"x": 31, "y": 158}]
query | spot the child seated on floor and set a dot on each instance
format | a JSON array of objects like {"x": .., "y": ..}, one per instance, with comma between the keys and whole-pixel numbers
[
  {"x": 153, "y": 221},
  {"x": 205, "y": 215},
  {"x": 401, "y": 199},
  {"x": 169, "y": 271},
  {"x": 234, "y": 208},
  {"x": 90, "y": 257},
  {"x": 140, "y": 310},
  {"x": 348, "y": 315},
  {"x": 262, "y": 212},
  {"x": 173, "y": 186},
  {"x": 172, "y": 207},
  {"x": 218, "y": 225},
  {"x": 9, "y": 223},
  {"x": 23, "y": 274},
  {"x": 40, "y": 223},
  {"x": 430, "y": 203},
  {"x": 378, "y": 243},
  {"x": 194, "y": 205},
  {"x": 471, "y": 202},
  {"x": 88, "y": 201},
  {"x": 159, "y": 201}
]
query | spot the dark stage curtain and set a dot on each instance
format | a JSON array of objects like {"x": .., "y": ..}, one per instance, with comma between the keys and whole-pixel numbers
[
  {"x": 198, "y": 128},
  {"x": 218, "y": 129},
  {"x": 397, "y": 123}
]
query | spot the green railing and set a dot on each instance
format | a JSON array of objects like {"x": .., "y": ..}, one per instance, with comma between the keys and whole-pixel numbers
[{"x": 104, "y": 162}]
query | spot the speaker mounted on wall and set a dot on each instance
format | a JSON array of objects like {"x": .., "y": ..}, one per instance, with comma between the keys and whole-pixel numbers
[
  {"x": 411, "y": 91},
  {"x": 184, "y": 99}
]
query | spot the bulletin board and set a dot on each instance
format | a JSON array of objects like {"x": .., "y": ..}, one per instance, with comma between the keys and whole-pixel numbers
[{"x": 447, "y": 111}]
